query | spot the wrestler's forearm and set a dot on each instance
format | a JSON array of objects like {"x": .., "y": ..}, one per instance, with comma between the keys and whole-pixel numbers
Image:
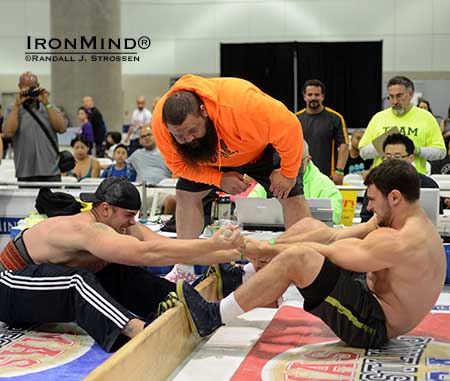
[{"x": 220, "y": 256}]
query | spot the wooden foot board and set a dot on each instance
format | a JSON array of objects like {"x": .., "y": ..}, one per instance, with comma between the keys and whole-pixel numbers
[{"x": 159, "y": 349}]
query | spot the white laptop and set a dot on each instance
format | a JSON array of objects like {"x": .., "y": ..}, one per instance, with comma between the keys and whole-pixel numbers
[
  {"x": 267, "y": 213},
  {"x": 429, "y": 201}
]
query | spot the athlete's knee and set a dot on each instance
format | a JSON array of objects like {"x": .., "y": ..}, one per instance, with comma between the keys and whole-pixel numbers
[
  {"x": 296, "y": 258},
  {"x": 307, "y": 224}
]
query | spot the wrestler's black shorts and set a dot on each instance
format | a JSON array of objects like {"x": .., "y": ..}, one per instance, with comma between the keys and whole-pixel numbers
[
  {"x": 347, "y": 306},
  {"x": 260, "y": 170}
]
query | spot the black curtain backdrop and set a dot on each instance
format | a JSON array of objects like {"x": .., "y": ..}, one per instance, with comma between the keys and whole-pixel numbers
[
  {"x": 270, "y": 66},
  {"x": 351, "y": 71}
]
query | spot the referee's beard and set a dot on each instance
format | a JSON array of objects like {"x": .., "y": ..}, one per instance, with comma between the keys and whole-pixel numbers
[{"x": 200, "y": 150}]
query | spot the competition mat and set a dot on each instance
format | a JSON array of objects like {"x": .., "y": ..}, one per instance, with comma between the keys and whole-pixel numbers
[
  {"x": 50, "y": 352},
  {"x": 297, "y": 346}
]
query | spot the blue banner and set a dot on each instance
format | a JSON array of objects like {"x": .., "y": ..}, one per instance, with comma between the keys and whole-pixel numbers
[{"x": 6, "y": 223}]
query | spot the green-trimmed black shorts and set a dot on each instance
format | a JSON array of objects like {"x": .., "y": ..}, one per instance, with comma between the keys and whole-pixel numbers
[
  {"x": 347, "y": 306},
  {"x": 259, "y": 170}
]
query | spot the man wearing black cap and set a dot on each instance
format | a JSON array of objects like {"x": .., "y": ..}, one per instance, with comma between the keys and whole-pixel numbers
[{"x": 85, "y": 267}]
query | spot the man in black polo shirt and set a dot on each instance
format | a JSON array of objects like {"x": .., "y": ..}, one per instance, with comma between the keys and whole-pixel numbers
[{"x": 325, "y": 132}]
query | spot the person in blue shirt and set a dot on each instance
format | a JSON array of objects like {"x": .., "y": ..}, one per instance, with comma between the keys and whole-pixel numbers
[{"x": 120, "y": 168}]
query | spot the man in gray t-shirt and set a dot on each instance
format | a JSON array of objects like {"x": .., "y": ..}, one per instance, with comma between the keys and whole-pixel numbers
[
  {"x": 147, "y": 161},
  {"x": 325, "y": 132},
  {"x": 34, "y": 157}
]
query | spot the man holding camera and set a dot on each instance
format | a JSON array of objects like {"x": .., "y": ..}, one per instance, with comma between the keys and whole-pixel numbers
[{"x": 34, "y": 157}]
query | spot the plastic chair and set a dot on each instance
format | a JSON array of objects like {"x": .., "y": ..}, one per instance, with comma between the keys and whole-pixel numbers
[
  {"x": 68, "y": 179},
  {"x": 91, "y": 180},
  {"x": 353, "y": 179},
  {"x": 104, "y": 162},
  {"x": 163, "y": 191}
]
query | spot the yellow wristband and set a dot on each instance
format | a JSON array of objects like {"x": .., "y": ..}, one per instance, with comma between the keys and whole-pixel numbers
[
  {"x": 272, "y": 241},
  {"x": 242, "y": 255},
  {"x": 48, "y": 105}
]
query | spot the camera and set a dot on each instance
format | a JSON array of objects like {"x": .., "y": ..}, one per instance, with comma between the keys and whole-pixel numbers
[{"x": 33, "y": 92}]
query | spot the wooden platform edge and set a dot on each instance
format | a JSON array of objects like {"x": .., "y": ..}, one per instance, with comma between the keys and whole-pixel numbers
[{"x": 159, "y": 349}]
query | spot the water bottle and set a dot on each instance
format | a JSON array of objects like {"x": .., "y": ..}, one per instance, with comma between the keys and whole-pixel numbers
[{"x": 224, "y": 208}]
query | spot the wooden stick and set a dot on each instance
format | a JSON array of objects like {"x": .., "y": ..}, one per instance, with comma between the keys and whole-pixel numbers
[{"x": 155, "y": 352}]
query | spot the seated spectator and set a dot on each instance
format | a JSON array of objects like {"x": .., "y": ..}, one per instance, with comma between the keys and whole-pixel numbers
[
  {"x": 85, "y": 165},
  {"x": 315, "y": 185},
  {"x": 355, "y": 163},
  {"x": 120, "y": 168},
  {"x": 141, "y": 117},
  {"x": 425, "y": 105},
  {"x": 150, "y": 167},
  {"x": 86, "y": 127},
  {"x": 112, "y": 139},
  {"x": 445, "y": 128},
  {"x": 147, "y": 161},
  {"x": 441, "y": 167},
  {"x": 398, "y": 146}
]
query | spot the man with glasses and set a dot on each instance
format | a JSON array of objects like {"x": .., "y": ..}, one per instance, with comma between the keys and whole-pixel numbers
[
  {"x": 417, "y": 124},
  {"x": 398, "y": 146}
]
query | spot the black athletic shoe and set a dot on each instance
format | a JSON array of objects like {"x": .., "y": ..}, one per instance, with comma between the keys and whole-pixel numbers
[
  {"x": 169, "y": 302},
  {"x": 204, "y": 317},
  {"x": 209, "y": 271},
  {"x": 229, "y": 278}
]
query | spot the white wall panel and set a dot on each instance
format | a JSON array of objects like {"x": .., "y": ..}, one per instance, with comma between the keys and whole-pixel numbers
[
  {"x": 186, "y": 34},
  {"x": 12, "y": 20},
  {"x": 232, "y": 20},
  {"x": 303, "y": 19},
  {"x": 152, "y": 20},
  {"x": 158, "y": 59},
  {"x": 194, "y": 21},
  {"x": 413, "y": 53},
  {"x": 205, "y": 60},
  {"x": 413, "y": 16},
  {"x": 441, "y": 53},
  {"x": 267, "y": 19},
  {"x": 35, "y": 12},
  {"x": 441, "y": 16},
  {"x": 352, "y": 17}
]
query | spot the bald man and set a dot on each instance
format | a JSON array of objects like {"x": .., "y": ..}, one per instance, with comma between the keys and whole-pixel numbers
[
  {"x": 98, "y": 124},
  {"x": 34, "y": 157},
  {"x": 140, "y": 118}
]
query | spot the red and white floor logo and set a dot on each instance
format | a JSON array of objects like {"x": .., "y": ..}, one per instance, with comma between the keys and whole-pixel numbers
[
  {"x": 24, "y": 351},
  {"x": 406, "y": 358},
  {"x": 297, "y": 346}
]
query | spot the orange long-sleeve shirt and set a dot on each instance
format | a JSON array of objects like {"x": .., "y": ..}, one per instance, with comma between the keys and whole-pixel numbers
[{"x": 246, "y": 120}]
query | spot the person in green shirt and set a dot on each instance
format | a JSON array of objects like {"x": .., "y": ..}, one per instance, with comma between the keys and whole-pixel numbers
[
  {"x": 315, "y": 185},
  {"x": 417, "y": 124}
]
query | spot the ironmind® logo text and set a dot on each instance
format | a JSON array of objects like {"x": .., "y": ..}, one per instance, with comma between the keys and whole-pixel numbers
[{"x": 84, "y": 48}]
